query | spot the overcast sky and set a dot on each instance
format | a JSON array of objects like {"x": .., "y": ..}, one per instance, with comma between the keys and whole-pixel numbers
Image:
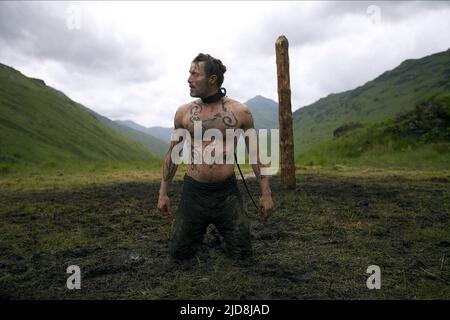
[{"x": 131, "y": 60}]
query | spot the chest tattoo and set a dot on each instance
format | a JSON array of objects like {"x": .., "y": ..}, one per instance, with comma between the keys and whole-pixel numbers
[{"x": 225, "y": 116}]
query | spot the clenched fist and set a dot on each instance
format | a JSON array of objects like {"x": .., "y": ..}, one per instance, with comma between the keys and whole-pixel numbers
[
  {"x": 265, "y": 206},
  {"x": 164, "y": 205}
]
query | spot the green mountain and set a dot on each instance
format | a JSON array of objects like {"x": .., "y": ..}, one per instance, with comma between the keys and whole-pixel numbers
[
  {"x": 393, "y": 92},
  {"x": 264, "y": 111},
  {"x": 41, "y": 126},
  {"x": 154, "y": 145},
  {"x": 131, "y": 124},
  {"x": 416, "y": 139}
]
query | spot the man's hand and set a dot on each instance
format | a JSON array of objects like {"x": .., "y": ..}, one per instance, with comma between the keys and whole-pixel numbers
[
  {"x": 265, "y": 206},
  {"x": 164, "y": 206}
]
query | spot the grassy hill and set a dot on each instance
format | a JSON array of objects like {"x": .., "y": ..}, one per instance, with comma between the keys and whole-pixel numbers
[
  {"x": 41, "y": 127},
  {"x": 393, "y": 92},
  {"x": 416, "y": 139},
  {"x": 156, "y": 146}
]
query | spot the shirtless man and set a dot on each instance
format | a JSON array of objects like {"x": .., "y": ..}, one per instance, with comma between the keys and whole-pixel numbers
[{"x": 210, "y": 194}]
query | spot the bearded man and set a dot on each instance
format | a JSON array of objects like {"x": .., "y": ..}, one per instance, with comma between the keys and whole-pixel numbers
[{"x": 210, "y": 194}]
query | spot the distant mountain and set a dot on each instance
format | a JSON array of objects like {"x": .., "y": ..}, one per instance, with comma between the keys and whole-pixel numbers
[
  {"x": 157, "y": 146},
  {"x": 264, "y": 111},
  {"x": 393, "y": 92},
  {"x": 41, "y": 125},
  {"x": 162, "y": 133},
  {"x": 131, "y": 124}
]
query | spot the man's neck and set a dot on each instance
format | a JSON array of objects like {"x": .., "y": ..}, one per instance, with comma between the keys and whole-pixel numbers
[{"x": 213, "y": 97}]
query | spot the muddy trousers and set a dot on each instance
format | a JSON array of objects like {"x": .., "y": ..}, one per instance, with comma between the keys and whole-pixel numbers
[{"x": 218, "y": 203}]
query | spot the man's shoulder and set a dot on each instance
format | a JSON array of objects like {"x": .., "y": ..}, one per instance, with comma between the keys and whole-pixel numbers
[
  {"x": 188, "y": 105},
  {"x": 183, "y": 110}
]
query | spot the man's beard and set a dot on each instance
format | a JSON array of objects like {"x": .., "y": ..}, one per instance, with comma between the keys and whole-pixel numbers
[
  {"x": 193, "y": 93},
  {"x": 201, "y": 92}
]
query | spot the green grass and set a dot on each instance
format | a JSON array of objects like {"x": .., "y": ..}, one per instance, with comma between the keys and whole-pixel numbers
[
  {"x": 393, "y": 154},
  {"x": 50, "y": 168}
]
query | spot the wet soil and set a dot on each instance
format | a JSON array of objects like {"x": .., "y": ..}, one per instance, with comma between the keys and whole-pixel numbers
[{"x": 318, "y": 245}]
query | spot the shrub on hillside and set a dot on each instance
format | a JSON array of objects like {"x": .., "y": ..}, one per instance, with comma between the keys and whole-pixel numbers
[
  {"x": 346, "y": 128},
  {"x": 428, "y": 122}
]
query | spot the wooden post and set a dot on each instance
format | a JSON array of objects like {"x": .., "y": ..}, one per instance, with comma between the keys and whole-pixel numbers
[{"x": 287, "y": 165}]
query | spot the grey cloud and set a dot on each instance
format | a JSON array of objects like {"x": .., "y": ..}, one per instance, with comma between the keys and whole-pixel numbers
[
  {"x": 320, "y": 23},
  {"x": 37, "y": 32},
  {"x": 390, "y": 10}
]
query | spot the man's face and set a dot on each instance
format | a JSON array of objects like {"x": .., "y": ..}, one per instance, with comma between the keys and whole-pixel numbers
[{"x": 198, "y": 81}]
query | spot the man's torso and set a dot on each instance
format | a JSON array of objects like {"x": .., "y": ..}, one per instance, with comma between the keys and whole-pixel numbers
[{"x": 222, "y": 115}]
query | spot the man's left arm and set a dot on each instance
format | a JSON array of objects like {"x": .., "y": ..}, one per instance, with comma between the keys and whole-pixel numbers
[{"x": 265, "y": 202}]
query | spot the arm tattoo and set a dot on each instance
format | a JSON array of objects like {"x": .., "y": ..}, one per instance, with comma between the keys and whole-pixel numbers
[{"x": 170, "y": 168}]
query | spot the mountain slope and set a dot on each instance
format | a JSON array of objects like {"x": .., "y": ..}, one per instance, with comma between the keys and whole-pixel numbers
[
  {"x": 392, "y": 92},
  {"x": 153, "y": 144},
  {"x": 40, "y": 125},
  {"x": 264, "y": 111},
  {"x": 161, "y": 133},
  {"x": 417, "y": 139},
  {"x": 156, "y": 146},
  {"x": 131, "y": 124}
]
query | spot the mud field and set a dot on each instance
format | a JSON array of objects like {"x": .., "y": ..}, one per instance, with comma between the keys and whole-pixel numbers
[{"x": 318, "y": 244}]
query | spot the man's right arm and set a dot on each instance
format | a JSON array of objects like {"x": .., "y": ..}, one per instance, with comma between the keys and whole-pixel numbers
[{"x": 169, "y": 171}]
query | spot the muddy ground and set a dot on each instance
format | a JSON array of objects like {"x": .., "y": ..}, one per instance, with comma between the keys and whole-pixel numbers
[{"x": 318, "y": 245}]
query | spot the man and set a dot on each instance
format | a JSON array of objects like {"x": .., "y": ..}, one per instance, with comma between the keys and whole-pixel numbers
[{"x": 210, "y": 194}]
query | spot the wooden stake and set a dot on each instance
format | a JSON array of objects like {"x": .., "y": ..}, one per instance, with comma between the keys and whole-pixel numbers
[{"x": 287, "y": 165}]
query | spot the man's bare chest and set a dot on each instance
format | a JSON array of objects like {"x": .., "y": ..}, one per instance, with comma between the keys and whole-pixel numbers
[{"x": 219, "y": 116}]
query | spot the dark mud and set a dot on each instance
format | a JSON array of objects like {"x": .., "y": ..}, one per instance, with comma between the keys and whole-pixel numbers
[{"x": 318, "y": 244}]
